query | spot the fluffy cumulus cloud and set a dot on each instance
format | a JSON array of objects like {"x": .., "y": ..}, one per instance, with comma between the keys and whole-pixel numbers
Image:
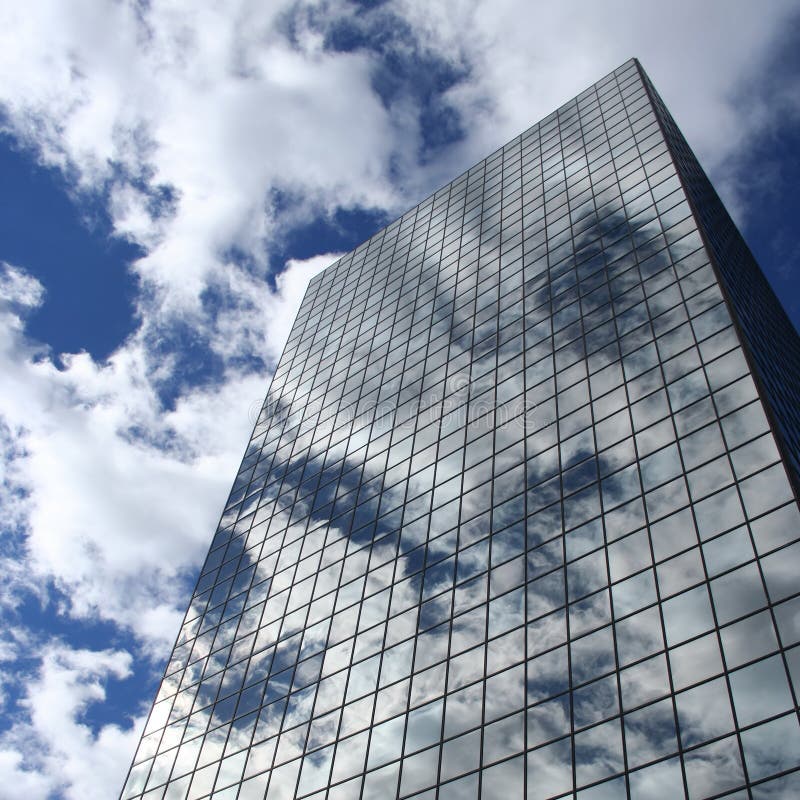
[
  {"x": 207, "y": 133},
  {"x": 718, "y": 66},
  {"x": 192, "y": 121},
  {"x": 53, "y": 750}
]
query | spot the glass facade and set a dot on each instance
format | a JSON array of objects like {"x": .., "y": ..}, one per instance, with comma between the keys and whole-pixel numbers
[{"x": 514, "y": 521}]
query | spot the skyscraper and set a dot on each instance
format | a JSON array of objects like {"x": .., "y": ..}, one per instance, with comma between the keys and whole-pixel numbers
[{"x": 518, "y": 517}]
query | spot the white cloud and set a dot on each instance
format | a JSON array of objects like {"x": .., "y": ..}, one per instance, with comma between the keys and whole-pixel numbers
[
  {"x": 214, "y": 103},
  {"x": 192, "y": 118},
  {"x": 26, "y": 784},
  {"x": 120, "y": 495},
  {"x": 711, "y": 62},
  {"x": 261, "y": 319},
  {"x": 48, "y": 750}
]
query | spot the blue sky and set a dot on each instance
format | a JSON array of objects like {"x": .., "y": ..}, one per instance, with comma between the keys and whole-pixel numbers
[{"x": 172, "y": 175}]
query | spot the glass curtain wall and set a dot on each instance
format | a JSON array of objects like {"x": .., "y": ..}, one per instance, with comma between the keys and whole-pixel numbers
[{"x": 513, "y": 522}]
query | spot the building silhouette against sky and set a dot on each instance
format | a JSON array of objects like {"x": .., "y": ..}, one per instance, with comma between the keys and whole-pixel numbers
[{"x": 517, "y": 519}]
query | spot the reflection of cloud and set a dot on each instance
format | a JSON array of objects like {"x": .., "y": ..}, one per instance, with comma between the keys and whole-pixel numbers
[
  {"x": 652, "y": 783},
  {"x": 598, "y": 752},
  {"x": 714, "y": 768},
  {"x": 772, "y": 748}
]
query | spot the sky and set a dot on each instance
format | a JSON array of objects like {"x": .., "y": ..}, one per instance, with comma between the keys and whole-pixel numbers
[{"x": 171, "y": 176}]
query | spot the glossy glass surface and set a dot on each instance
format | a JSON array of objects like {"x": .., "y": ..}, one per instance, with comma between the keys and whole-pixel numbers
[{"x": 513, "y": 522}]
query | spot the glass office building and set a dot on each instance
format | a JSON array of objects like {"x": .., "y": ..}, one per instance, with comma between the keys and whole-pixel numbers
[{"x": 518, "y": 518}]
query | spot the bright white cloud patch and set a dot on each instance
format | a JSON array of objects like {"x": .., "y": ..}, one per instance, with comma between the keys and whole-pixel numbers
[
  {"x": 19, "y": 288},
  {"x": 214, "y": 104},
  {"x": 712, "y": 62},
  {"x": 120, "y": 494},
  {"x": 52, "y": 751},
  {"x": 208, "y": 130}
]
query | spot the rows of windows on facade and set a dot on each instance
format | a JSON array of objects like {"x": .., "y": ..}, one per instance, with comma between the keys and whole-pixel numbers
[{"x": 517, "y": 518}]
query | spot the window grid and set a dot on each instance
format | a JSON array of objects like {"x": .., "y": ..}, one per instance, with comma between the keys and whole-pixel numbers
[{"x": 511, "y": 440}]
